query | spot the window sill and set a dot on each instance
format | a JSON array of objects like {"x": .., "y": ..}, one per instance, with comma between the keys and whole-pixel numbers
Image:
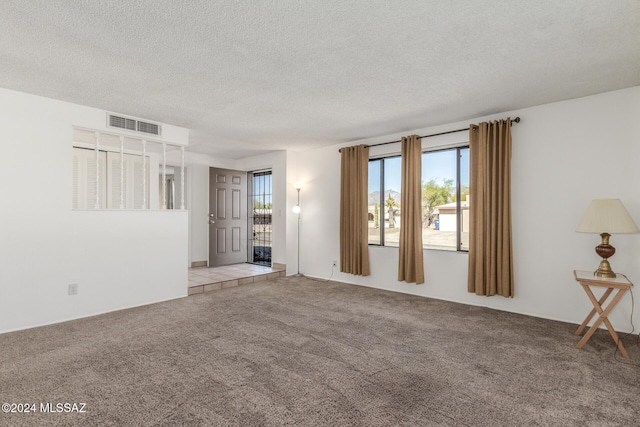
[{"x": 371, "y": 245}]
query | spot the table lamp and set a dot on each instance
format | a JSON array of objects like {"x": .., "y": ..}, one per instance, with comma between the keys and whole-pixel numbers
[{"x": 606, "y": 217}]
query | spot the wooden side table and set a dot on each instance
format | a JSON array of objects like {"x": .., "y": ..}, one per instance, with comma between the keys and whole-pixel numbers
[{"x": 588, "y": 280}]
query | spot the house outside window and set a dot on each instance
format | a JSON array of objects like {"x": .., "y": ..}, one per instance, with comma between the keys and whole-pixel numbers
[{"x": 445, "y": 200}]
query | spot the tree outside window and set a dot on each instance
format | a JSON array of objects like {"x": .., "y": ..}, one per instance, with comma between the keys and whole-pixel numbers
[{"x": 445, "y": 204}]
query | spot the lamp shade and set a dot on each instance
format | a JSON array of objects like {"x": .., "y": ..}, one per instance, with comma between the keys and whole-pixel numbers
[{"x": 607, "y": 216}]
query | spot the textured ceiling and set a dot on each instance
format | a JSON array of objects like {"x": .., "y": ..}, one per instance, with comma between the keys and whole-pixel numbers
[{"x": 254, "y": 76}]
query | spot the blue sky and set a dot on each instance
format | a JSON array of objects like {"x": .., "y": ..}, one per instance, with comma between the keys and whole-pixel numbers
[{"x": 437, "y": 164}]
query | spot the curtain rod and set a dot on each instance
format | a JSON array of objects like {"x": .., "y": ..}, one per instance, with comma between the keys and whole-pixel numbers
[{"x": 516, "y": 120}]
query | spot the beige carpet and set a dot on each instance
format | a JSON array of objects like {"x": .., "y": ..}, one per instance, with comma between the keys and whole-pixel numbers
[{"x": 293, "y": 351}]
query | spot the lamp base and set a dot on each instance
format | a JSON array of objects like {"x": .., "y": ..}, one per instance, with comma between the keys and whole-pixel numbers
[
  {"x": 604, "y": 270},
  {"x": 298, "y": 275},
  {"x": 605, "y": 250}
]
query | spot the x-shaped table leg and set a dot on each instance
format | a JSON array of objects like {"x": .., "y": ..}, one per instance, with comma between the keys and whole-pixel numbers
[{"x": 603, "y": 314}]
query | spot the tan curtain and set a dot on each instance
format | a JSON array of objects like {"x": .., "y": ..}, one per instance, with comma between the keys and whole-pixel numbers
[
  {"x": 490, "y": 248},
  {"x": 410, "y": 266},
  {"x": 354, "y": 242}
]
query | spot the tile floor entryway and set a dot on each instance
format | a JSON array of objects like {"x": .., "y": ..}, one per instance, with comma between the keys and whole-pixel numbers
[{"x": 205, "y": 279}]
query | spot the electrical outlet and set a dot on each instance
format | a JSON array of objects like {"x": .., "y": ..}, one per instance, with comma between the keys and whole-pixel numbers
[
  {"x": 335, "y": 263},
  {"x": 73, "y": 289}
]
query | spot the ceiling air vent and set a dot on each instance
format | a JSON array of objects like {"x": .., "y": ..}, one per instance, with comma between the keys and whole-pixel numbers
[
  {"x": 148, "y": 128},
  {"x": 122, "y": 122},
  {"x": 132, "y": 124}
]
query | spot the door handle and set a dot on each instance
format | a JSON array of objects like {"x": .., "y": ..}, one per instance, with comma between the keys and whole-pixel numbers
[{"x": 211, "y": 222}]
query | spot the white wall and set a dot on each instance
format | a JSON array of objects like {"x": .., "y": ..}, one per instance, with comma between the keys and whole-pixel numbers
[
  {"x": 564, "y": 155},
  {"x": 118, "y": 258},
  {"x": 198, "y": 207}
]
